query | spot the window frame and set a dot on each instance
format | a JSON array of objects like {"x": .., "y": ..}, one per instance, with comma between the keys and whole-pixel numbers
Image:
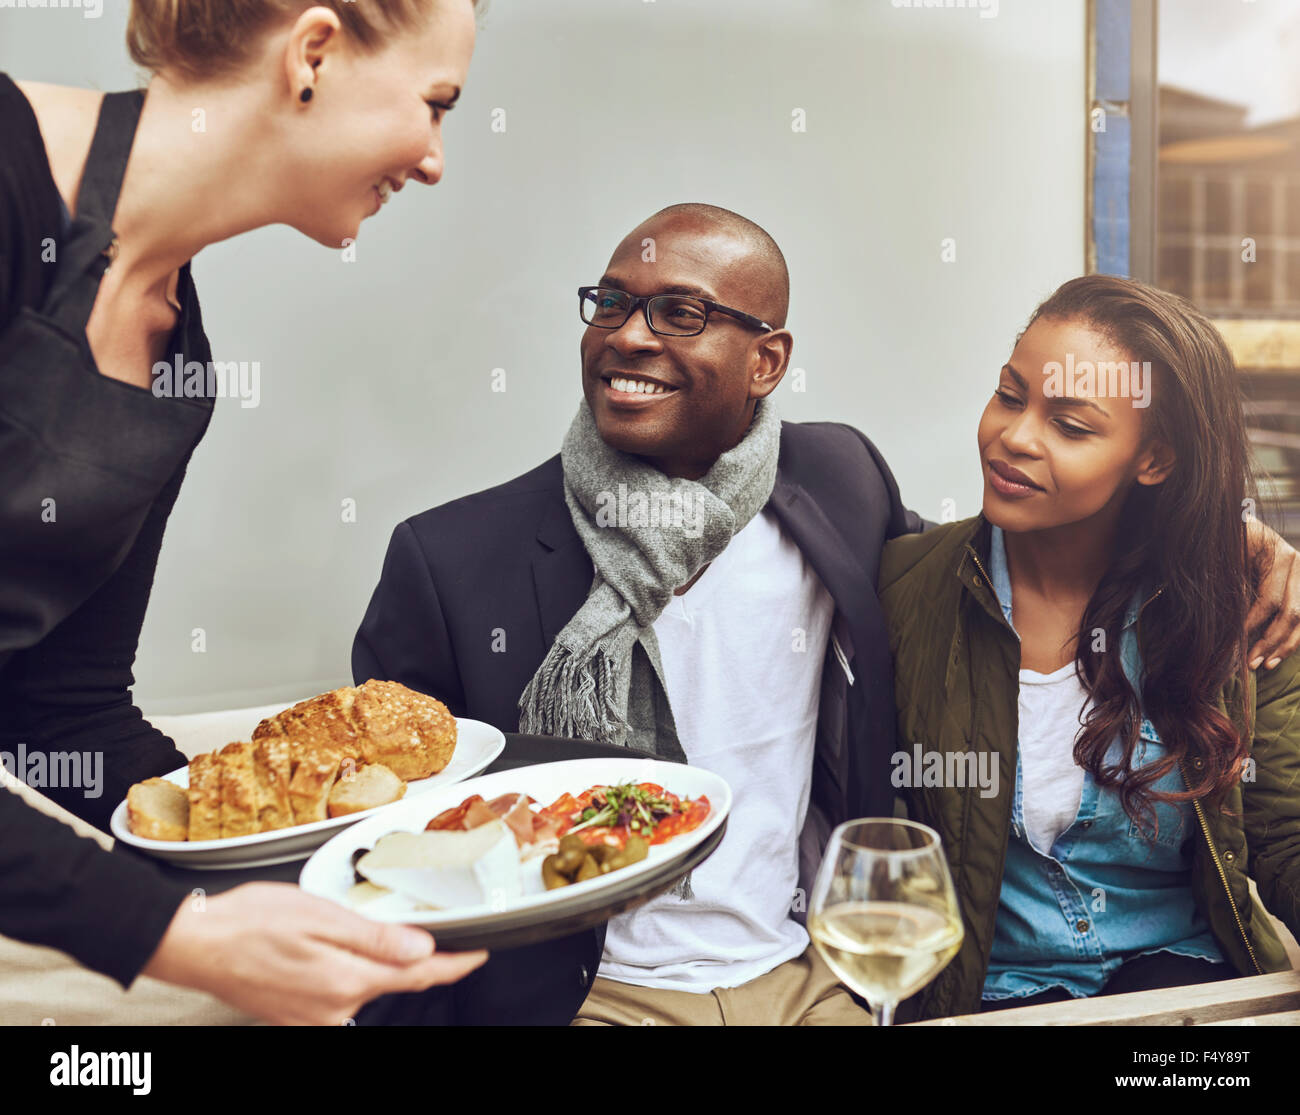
[{"x": 1121, "y": 225}]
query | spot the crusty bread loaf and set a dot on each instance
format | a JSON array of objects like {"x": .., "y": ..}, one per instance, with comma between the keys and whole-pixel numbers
[
  {"x": 379, "y": 722},
  {"x": 268, "y": 729},
  {"x": 284, "y": 776},
  {"x": 159, "y": 810},
  {"x": 437, "y": 727},
  {"x": 410, "y": 733},
  {"x": 321, "y": 721},
  {"x": 205, "y": 797},
  {"x": 364, "y": 789},
  {"x": 239, "y": 796}
]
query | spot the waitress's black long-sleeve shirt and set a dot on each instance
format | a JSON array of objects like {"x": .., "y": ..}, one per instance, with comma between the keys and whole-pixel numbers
[{"x": 72, "y": 603}]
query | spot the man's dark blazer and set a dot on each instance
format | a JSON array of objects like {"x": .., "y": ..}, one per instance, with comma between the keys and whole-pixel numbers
[{"x": 474, "y": 592}]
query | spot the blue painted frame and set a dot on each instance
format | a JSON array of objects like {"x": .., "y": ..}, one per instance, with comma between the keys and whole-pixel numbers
[{"x": 1112, "y": 149}]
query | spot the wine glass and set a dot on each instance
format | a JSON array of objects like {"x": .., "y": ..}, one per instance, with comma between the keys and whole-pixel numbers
[{"x": 883, "y": 913}]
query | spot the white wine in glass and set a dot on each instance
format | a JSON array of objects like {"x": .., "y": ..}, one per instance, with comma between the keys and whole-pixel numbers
[{"x": 883, "y": 913}]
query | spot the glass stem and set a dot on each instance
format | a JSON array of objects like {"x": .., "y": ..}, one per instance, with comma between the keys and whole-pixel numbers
[{"x": 884, "y": 1014}]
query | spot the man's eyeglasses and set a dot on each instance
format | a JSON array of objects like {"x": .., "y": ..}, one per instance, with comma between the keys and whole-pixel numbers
[{"x": 671, "y": 315}]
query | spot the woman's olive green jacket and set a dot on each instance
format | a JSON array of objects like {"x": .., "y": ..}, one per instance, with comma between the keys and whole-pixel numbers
[{"x": 956, "y": 670}]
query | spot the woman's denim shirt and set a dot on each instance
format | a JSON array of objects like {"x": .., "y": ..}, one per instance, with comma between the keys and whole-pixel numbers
[{"x": 1107, "y": 891}]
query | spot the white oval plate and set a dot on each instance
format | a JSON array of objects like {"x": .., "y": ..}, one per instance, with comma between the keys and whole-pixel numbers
[
  {"x": 329, "y": 872},
  {"x": 477, "y": 744}
]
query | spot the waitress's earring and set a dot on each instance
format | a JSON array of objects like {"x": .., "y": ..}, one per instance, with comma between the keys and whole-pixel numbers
[{"x": 305, "y": 95}]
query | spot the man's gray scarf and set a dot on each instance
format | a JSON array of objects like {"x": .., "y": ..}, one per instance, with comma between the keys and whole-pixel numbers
[{"x": 647, "y": 535}]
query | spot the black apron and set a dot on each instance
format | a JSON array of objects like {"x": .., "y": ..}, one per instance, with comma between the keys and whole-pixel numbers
[{"x": 82, "y": 456}]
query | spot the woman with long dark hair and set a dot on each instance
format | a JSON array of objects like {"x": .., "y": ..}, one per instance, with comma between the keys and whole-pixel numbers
[
  {"x": 316, "y": 113},
  {"x": 1087, "y": 636}
]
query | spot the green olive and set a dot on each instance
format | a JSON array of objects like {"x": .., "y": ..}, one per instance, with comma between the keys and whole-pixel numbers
[
  {"x": 602, "y": 853},
  {"x": 589, "y": 870},
  {"x": 568, "y": 860},
  {"x": 634, "y": 852},
  {"x": 551, "y": 874},
  {"x": 638, "y": 847}
]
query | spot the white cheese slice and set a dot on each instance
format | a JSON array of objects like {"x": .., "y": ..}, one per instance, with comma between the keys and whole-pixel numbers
[
  {"x": 381, "y": 903},
  {"x": 448, "y": 869},
  {"x": 361, "y": 893}
]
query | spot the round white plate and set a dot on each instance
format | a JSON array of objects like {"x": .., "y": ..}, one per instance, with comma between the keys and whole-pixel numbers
[
  {"x": 477, "y": 744},
  {"x": 329, "y": 872}
]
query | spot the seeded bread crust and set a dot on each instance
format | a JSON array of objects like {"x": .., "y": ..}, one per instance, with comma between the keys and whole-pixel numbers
[
  {"x": 322, "y": 721},
  {"x": 400, "y": 729}
]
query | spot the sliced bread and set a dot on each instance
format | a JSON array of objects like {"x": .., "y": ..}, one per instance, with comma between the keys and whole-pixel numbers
[
  {"x": 205, "y": 797},
  {"x": 158, "y": 810},
  {"x": 372, "y": 785}
]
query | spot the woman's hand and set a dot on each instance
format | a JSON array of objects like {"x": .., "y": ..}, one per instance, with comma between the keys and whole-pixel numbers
[
  {"x": 1278, "y": 596},
  {"x": 291, "y": 958}
]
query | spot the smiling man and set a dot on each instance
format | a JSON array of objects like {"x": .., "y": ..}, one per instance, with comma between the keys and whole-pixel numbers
[{"x": 690, "y": 577}]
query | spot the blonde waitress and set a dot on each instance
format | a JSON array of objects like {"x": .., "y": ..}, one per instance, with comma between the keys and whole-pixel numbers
[{"x": 316, "y": 114}]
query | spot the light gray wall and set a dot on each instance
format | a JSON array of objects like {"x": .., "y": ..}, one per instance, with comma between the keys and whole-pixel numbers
[{"x": 377, "y": 375}]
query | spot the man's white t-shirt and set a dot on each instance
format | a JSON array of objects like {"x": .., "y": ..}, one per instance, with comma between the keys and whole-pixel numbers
[{"x": 742, "y": 654}]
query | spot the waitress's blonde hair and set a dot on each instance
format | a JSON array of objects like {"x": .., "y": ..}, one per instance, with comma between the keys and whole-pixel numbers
[{"x": 203, "y": 39}]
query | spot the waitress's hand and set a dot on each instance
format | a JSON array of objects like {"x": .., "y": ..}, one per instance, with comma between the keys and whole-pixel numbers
[{"x": 288, "y": 957}]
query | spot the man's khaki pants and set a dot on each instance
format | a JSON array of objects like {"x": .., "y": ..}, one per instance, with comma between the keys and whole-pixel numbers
[
  {"x": 39, "y": 986},
  {"x": 800, "y": 992}
]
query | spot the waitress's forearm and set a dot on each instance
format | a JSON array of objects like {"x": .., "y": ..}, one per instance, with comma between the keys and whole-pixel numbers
[
  {"x": 62, "y": 891},
  {"x": 87, "y": 758}
]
